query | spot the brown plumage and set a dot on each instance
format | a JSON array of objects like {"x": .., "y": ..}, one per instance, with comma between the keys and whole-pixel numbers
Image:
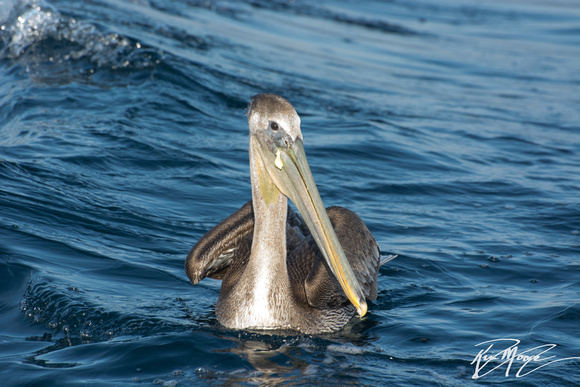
[
  {"x": 320, "y": 303},
  {"x": 275, "y": 275}
]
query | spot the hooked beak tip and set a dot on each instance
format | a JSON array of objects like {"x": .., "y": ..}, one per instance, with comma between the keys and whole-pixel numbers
[{"x": 362, "y": 308}]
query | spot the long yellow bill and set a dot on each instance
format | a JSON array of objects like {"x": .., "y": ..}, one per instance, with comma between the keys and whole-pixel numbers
[{"x": 289, "y": 170}]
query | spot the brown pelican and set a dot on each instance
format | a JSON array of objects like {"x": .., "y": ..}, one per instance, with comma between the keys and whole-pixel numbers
[{"x": 276, "y": 272}]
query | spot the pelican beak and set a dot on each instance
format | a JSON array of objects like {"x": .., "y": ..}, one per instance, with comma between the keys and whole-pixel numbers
[{"x": 289, "y": 171}]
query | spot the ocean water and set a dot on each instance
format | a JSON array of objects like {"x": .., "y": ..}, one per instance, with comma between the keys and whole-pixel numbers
[{"x": 451, "y": 127}]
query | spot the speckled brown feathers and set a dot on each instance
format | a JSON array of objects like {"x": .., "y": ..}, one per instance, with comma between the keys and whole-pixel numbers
[
  {"x": 280, "y": 270},
  {"x": 212, "y": 254},
  {"x": 225, "y": 251}
]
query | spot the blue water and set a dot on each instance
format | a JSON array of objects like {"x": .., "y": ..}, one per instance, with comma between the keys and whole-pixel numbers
[{"x": 451, "y": 127}]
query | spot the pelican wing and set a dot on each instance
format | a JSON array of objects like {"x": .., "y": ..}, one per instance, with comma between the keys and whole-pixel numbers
[
  {"x": 228, "y": 245},
  {"x": 362, "y": 251},
  {"x": 212, "y": 255},
  {"x": 230, "y": 240}
]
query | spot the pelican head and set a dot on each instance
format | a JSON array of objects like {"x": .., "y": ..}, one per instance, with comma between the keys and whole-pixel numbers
[{"x": 277, "y": 151}]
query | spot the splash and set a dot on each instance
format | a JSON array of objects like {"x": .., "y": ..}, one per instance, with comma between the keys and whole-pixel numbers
[{"x": 35, "y": 34}]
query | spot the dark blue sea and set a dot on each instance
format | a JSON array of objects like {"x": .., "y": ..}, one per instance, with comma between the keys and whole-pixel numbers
[{"x": 451, "y": 127}]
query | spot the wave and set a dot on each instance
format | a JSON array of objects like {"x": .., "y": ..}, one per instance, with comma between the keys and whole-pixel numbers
[
  {"x": 74, "y": 315},
  {"x": 37, "y": 36},
  {"x": 327, "y": 13}
]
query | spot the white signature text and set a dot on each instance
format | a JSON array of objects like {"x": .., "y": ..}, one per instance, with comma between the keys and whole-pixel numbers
[{"x": 528, "y": 361}]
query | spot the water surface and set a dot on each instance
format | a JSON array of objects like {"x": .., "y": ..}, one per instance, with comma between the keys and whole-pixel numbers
[{"x": 451, "y": 128}]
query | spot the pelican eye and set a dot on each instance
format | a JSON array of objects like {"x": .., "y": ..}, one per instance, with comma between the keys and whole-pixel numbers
[{"x": 274, "y": 126}]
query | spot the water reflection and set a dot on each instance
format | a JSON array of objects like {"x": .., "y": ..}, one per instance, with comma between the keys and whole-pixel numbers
[{"x": 281, "y": 356}]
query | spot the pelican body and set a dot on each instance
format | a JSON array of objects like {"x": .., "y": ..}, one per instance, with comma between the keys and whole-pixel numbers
[{"x": 281, "y": 271}]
